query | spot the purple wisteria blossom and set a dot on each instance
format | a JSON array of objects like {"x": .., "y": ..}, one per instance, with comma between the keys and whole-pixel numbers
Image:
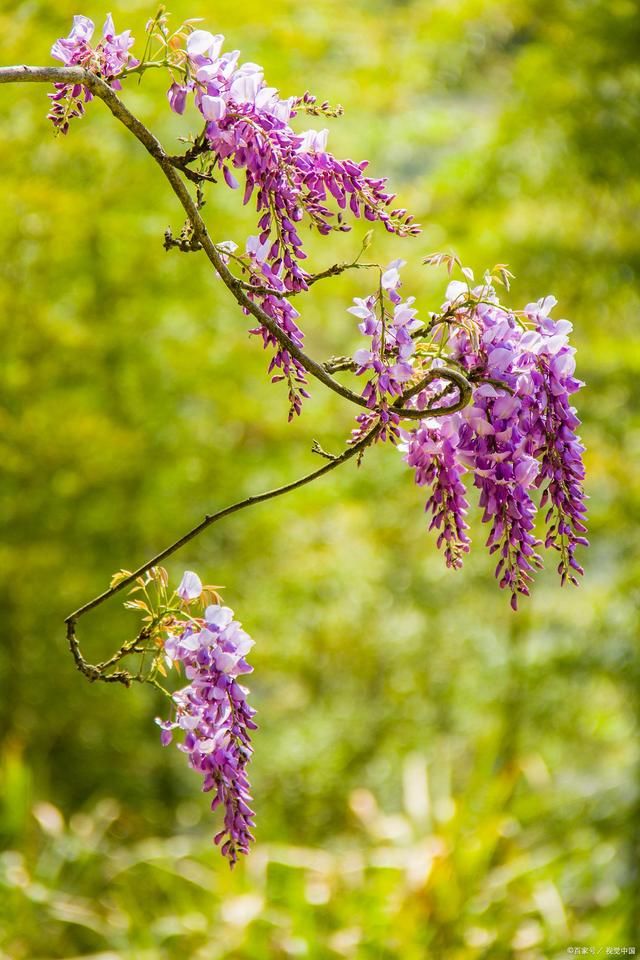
[
  {"x": 282, "y": 366},
  {"x": 389, "y": 323},
  {"x": 516, "y": 438},
  {"x": 190, "y": 587},
  {"x": 515, "y": 442},
  {"x": 290, "y": 177},
  {"x": 213, "y": 715},
  {"x": 107, "y": 59},
  {"x": 432, "y": 452},
  {"x": 291, "y": 174}
]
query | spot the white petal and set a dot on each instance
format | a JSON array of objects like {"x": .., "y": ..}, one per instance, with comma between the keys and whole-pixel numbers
[
  {"x": 245, "y": 88},
  {"x": 456, "y": 290},
  {"x": 109, "y": 29},
  {"x": 204, "y": 44},
  {"x": 362, "y": 356},
  {"x": 390, "y": 278},
  {"x": 314, "y": 141},
  {"x": 190, "y": 586},
  {"x": 213, "y": 108},
  {"x": 82, "y": 27},
  {"x": 225, "y": 661},
  {"x": 218, "y": 616},
  {"x": 264, "y": 96},
  {"x": 249, "y": 68},
  {"x": 244, "y": 643},
  {"x": 546, "y": 305},
  {"x": 191, "y": 642},
  {"x": 282, "y": 109}
]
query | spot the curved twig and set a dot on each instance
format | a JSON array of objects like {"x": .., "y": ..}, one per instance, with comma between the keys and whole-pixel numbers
[
  {"x": 94, "y": 672},
  {"x": 454, "y": 377}
]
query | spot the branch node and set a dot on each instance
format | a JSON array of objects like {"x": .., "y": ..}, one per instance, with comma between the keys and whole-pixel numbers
[{"x": 316, "y": 448}]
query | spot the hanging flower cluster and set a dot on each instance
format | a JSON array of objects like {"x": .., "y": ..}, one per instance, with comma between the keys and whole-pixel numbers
[
  {"x": 389, "y": 323},
  {"x": 247, "y": 128},
  {"x": 515, "y": 438},
  {"x": 190, "y": 631},
  {"x": 518, "y": 434},
  {"x": 290, "y": 175},
  {"x": 107, "y": 59},
  {"x": 212, "y": 711},
  {"x": 283, "y": 366},
  {"x": 390, "y": 330}
]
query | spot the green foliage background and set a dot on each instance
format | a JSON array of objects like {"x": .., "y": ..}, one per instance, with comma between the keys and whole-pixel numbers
[{"x": 434, "y": 776}]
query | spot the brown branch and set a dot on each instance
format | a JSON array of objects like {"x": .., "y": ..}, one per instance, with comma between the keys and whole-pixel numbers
[
  {"x": 93, "y": 672},
  {"x": 337, "y": 268},
  {"x": 103, "y": 91},
  {"x": 333, "y": 271},
  {"x": 456, "y": 378},
  {"x": 334, "y": 364}
]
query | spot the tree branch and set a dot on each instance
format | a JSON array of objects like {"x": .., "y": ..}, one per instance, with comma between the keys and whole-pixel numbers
[
  {"x": 95, "y": 672},
  {"x": 74, "y": 75},
  {"x": 152, "y": 145},
  {"x": 454, "y": 377}
]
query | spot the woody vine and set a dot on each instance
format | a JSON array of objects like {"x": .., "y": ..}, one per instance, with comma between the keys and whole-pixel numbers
[{"x": 473, "y": 394}]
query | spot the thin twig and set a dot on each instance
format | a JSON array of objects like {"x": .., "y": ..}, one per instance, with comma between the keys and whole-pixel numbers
[
  {"x": 334, "y": 364},
  {"x": 93, "y": 672},
  {"x": 346, "y": 455}
]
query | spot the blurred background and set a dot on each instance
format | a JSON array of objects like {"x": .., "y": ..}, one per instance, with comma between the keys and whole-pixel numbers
[{"x": 434, "y": 776}]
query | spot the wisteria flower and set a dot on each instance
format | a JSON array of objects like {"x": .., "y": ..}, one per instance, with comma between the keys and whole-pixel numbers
[
  {"x": 190, "y": 587},
  {"x": 211, "y": 713},
  {"x": 107, "y": 60},
  {"x": 516, "y": 438}
]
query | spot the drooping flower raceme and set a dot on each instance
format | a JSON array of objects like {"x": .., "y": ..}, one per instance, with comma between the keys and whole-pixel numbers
[
  {"x": 392, "y": 346},
  {"x": 107, "y": 59},
  {"x": 389, "y": 323},
  {"x": 516, "y": 438},
  {"x": 211, "y": 712},
  {"x": 433, "y": 454},
  {"x": 283, "y": 366},
  {"x": 291, "y": 176},
  {"x": 518, "y": 434}
]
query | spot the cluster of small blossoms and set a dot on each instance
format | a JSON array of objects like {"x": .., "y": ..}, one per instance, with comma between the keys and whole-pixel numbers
[
  {"x": 517, "y": 436},
  {"x": 389, "y": 322},
  {"x": 282, "y": 365},
  {"x": 247, "y": 128},
  {"x": 107, "y": 59},
  {"x": 212, "y": 712},
  {"x": 292, "y": 175},
  {"x": 433, "y": 454}
]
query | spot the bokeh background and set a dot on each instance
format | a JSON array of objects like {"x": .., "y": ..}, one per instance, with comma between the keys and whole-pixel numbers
[{"x": 434, "y": 776}]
